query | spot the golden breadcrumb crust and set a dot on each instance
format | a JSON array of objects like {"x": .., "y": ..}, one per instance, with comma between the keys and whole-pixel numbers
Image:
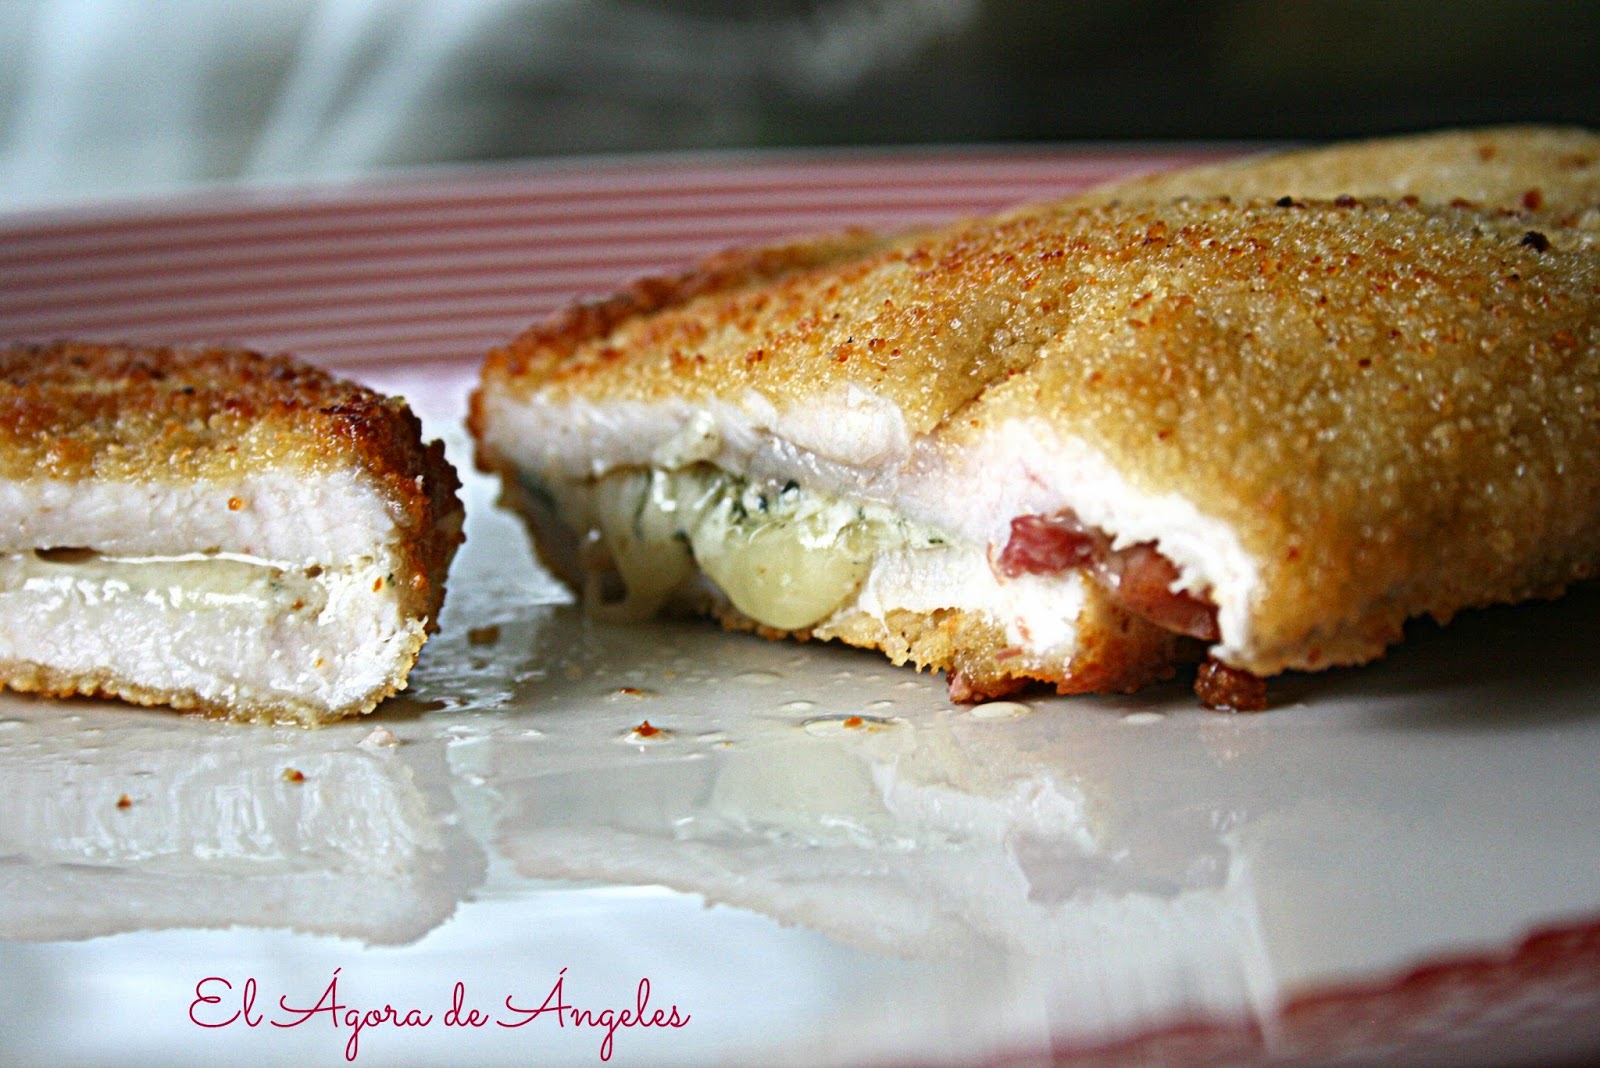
[
  {"x": 77, "y": 410},
  {"x": 792, "y": 322},
  {"x": 585, "y": 333},
  {"x": 1397, "y": 409},
  {"x": 1517, "y": 168},
  {"x": 1393, "y": 403},
  {"x": 922, "y": 318},
  {"x": 1115, "y": 652}
]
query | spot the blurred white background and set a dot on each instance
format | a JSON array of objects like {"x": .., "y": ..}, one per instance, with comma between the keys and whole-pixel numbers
[
  {"x": 118, "y": 97},
  {"x": 112, "y": 97}
]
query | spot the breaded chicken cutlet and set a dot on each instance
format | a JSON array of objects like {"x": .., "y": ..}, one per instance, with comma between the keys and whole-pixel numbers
[
  {"x": 1082, "y": 442},
  {"x": 241, "y": 535}
]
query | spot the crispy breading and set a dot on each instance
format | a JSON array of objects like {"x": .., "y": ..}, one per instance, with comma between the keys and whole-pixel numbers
[
  {"x": 75, "y": 416},
  {"x": 74, "y": 410},
  {"x": 1396, "y": 408},
  {"x": 545, "y": 351},
  {"x": 1115, "y": 653},
  {"x": 918, "y": 322},
  {"x": 773, "y": 316},
  {"x": 1510, "y": 168},
  {"x": 1388, "y": 401}
]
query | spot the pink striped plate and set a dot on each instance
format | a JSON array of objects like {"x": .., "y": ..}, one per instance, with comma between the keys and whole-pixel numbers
[
  {"x": 1399, "y": 868},
  {"x": 442, "y": 267}
]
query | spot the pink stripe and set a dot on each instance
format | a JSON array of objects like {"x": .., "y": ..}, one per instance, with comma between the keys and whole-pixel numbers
[
  {"x": 357, "y": 278},
  {"x": 661, "y": 180},
  {"x": 278, "y": 311},
  {"x": 356, "y": 345},
  {"x": 367, "y": 207},
  {"x": 22, "y": 250},
  {"x": 446, "y": 266},
  {"x": 500, "y": 247}
]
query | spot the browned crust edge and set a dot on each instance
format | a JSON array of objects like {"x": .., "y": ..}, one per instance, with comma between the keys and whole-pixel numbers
[
  {"x": 189, "y": 412},
  {"x": 544, "y": 346},
  {"x": 1118, "y": 654}
]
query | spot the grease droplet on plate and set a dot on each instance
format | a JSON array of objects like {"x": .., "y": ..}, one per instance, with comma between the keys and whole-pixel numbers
[
  {"x": 759, "y": 678},
  {"x": 798, "y": 706},
  {"x": 1001, "y": 710},
  {"x": 1144, "y": 717}
]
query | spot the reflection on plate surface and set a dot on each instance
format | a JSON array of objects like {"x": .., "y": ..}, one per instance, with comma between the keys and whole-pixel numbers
[
  {"x": 815, "y": 855},
  {"x": 114, "y": 821},
  {"x": 1002, "y": 878}
]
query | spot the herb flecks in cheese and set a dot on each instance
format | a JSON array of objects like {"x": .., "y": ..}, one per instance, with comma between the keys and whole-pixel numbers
[{"x": 785, "y": 557}]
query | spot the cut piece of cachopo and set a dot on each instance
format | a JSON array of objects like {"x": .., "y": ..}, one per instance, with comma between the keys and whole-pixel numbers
[
  {"x": 699, "y": 443},
  {"x": 1081, "y": 442},
  {"x": 214, "y": 530}
]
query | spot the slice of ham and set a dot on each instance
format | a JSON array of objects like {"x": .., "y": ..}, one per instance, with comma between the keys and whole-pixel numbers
[{"x": 1137, "y": 577}]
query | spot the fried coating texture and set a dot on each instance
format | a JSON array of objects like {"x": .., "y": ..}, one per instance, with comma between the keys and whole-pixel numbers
[
  {"x": 1502, "y": 168},
  {"x": 78, "y": 410},
  {"x": 86, "y": 414},
  {"x": 1115, "y": 653},
  {"x": 1389, "y": 399},
  {"x": 1394, "y": 407}
]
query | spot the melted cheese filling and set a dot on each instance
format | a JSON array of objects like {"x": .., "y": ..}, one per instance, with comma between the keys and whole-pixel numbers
[
  {"x": 784, "y": 557},
  {"x": 192, "y": 581}
]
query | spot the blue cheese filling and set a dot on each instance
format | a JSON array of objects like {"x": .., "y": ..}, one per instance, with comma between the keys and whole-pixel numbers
[{"x": 783, "y": 556}]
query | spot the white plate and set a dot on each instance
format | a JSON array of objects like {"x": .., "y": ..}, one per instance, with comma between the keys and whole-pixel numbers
[{"x": 1398, "y": 862}]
